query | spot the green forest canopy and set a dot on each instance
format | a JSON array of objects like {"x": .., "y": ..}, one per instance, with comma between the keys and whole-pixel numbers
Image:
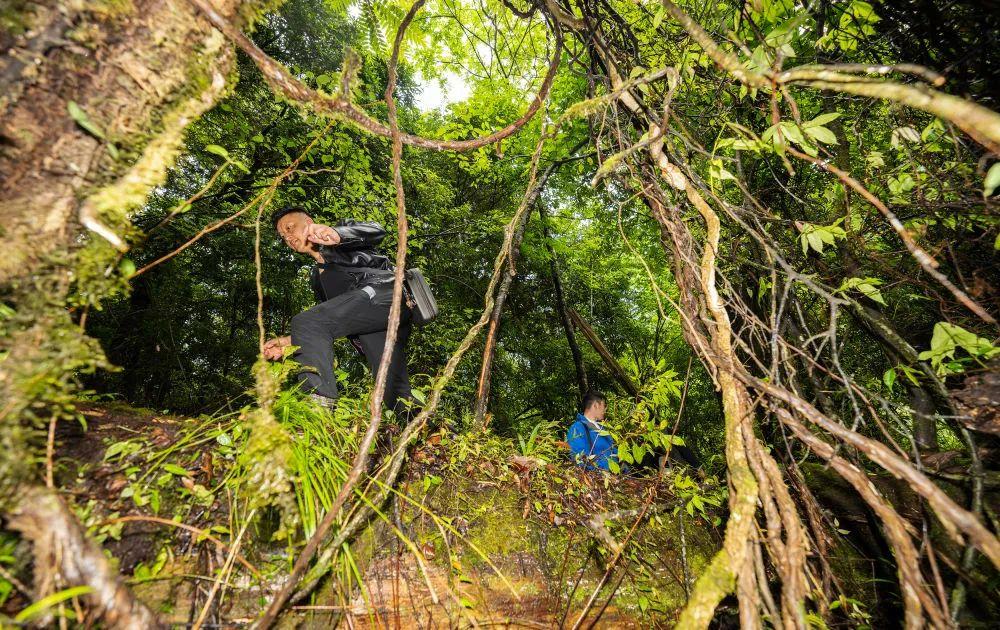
[{"x": 778, "y": 217}]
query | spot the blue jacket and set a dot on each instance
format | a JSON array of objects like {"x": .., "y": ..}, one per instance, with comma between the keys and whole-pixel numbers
[{"x": 589, "y": 446}]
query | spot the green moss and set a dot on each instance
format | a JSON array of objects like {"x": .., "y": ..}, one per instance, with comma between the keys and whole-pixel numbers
[
  {"x": 45, "y": 354},
  {"x": 535, "y": 555},
  {"x": 46, "y": 351},
  {"x": 16, "y": 17},
  {"x": 96, "y": 276},
  {"x": 111, "y": 8}
]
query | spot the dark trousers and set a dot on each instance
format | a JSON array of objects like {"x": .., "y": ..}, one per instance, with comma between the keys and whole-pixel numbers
[{"x": 352, "y": 313}]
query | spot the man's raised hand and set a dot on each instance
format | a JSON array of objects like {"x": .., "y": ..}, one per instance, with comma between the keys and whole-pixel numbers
[
  {"x": 274, "y": 350},
  {"x": 322, "y": 234}
]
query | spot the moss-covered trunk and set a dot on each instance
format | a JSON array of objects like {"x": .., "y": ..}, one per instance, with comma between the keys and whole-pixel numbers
[{"x": 95, "y": 100}]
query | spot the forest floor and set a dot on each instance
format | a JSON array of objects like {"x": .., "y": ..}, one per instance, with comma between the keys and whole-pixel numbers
[{"x": 473, "y": 538}]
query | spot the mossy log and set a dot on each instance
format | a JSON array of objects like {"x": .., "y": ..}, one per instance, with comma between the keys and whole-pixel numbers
[{"x": 88, "y": 127}]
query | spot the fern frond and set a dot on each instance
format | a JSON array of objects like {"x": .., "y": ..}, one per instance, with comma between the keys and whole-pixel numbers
[{"x": 374, "y": 29}]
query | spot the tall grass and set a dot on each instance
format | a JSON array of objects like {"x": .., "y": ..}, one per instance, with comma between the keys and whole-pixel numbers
[{"x": 323, "y": 445}]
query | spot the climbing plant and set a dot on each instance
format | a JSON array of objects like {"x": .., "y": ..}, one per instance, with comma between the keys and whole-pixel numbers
[{"x": 768, "y": 228}]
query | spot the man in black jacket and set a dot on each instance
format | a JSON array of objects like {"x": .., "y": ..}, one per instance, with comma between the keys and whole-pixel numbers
[{"x": 353, "y": 287}]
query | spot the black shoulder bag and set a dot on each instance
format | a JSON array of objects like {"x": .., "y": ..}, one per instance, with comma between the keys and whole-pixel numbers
[{"x": 420, "y": 299}]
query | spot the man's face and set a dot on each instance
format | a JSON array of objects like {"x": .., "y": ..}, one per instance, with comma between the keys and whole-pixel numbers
[
  {"x": 597, "y": 411},
  {"x": 292, "y": 228}
]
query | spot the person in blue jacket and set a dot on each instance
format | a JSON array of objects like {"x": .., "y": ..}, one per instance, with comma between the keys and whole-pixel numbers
[{"x": 589, "y": 444}]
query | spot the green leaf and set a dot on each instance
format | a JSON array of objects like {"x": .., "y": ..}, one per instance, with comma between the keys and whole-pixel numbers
[
  {"x": 45, "y": 603},
  {"x": 903, "y": 183},
  {"x": 746, "y": 145},
  {"x": 871, "y": 292},
  {"x": 875, "y": 159},
  {"x": 792, "y": 132},
  {"x": 934, "y": 128},
  {"x": 636, "y": 72},
  {"x": 658, "y": 17},
  {"x": 122, "y": 449},
  {"x": 637, "y": 452},
  {"x": 815, "y": 241},
  {"x": 216, "y": 149},
  {"x": 203, "y": 494},
  {"x": 176, "y": 470},
  {"x": 992, "y": 181},
  {"x": 889, "y": 378},
  {"x": 83, "y": 120},
  {"x": 821, "y": 120},
  {"x": 867, "y": 286},
  {"x": 141, "y": 572},
  {"x": 911, "y": 374},
  {"x": 821, "y": 134},
  {"x": 948, "y": 338},
  {"x": 643, "y": 603},
  {"x": 717, "y": 171},
  {"x": 126, "y": 267},
  {"x": 138, "y": 497}
]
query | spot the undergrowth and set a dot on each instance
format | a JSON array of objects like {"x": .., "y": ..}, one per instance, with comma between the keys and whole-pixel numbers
[{"x": 468, "y": 501}]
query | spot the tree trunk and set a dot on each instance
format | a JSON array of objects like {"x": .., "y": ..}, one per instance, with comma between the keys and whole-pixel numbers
[
  {"x": 151, "y": 68},
  {"x": 84, "y": 136},
  {"x": 574, "y": 347},
  {"x": 609, "y": 359},
  {"x": 486, "y": 371},
  {"x": 924, "y": 419}
]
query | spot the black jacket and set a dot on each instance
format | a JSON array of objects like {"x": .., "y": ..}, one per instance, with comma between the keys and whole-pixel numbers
[{"x": 353, "y": 263}]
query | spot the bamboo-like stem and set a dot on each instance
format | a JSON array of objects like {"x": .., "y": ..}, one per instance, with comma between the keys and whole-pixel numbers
[
  {"x": 609, "y": 358},
  {"x": 560, "y": 303},
  {"x": 510, "y": 272}
]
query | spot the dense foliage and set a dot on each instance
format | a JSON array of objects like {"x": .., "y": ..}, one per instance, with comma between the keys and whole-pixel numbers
[
  {"x": 186, "y": 332},
  {"x": 760, "y": 227}
]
